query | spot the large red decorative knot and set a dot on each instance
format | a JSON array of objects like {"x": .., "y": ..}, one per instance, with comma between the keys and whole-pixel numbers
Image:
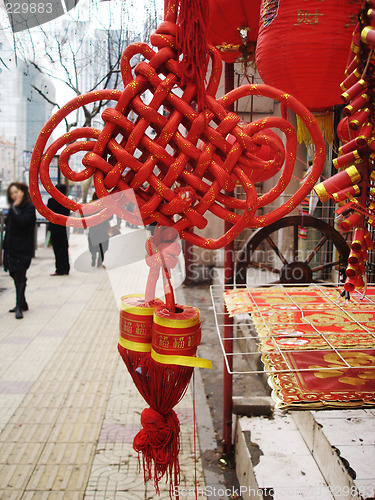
[
  {"x": 180, "y": 164},
  {"x": 159, "y": 443}
]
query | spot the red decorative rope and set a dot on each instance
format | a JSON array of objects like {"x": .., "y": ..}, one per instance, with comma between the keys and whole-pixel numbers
[
  {"x": 162, "y": 250},
  {"x": 193, "y": 45}
]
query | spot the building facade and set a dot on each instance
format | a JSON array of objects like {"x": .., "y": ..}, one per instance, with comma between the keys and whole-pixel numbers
[{"x": 23, "y": 112}]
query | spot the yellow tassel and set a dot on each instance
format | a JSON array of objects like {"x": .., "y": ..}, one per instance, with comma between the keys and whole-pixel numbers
[{"x": 325, "y": 122}]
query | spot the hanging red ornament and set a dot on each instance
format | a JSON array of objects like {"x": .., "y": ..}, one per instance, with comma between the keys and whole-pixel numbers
[
  {"x": 344, "y": 132},
  {"x": 233, "y": 28},
  {"x": 174, "y": 182},
  {"x": 158, "y": 343},
  {"x": 175, "y": 338},
  {"x": 192, "y": 44},
  {"x": 135, "y": 336},
  {"x": 302, "y": 49},
  {"x": 165, "y": 170},
  {"x": 356, "y": 155}
]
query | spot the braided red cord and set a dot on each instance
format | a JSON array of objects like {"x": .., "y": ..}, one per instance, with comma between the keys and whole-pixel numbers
[{"x": 162, "y": 250}]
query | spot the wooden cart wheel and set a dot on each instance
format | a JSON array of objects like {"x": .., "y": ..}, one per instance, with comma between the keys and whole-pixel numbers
[{"x": 290, "y": 263}]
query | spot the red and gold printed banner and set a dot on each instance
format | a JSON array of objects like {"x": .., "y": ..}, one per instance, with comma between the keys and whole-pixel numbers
[
  {"x": 317, "y": 347},
  {"x": 322, "y": 379}
]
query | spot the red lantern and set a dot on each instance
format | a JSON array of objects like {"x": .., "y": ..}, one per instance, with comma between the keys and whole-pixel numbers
[
  {"x": 233, "y": 27},
  {"x": 303, "y": 48}
]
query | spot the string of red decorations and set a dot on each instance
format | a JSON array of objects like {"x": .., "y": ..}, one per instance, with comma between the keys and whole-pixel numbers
[
  {"x": 352, "y": 188},
  {"x": 158, "y": 344},
  {"x": 181, "y": 154}
]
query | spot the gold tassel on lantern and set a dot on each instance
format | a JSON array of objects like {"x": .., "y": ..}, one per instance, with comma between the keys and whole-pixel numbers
[{"x": 325, "y": 122}]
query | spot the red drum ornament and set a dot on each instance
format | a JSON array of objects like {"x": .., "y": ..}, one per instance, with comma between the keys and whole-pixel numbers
[
  {"x": 352, "y": 221},
  {"x": 354, "y": 91},
  {"x": 368, "y": 36},
  {"x": 346, "y": 159},
  {"x": 302, "y": 48},
  {"x": 346, "y": 178},
  {"x": 343, "y": 194},
  {"x": 358, "y": 240},
  {"x": 352, "y": 283},
  {"x": 365, "y": 134},
  {"x": 135, "y": 336},
  {"x": 233, "y": 28},
  {"x": 359, "y": 118},
  {"x": 351, "y": 80},
  {"x": 355, "y": 259},
  {"x": 356, "y": 104}
]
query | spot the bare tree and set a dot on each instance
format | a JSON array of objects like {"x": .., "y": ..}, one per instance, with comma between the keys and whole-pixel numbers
[
  {"x": 82, "y": 50},
  {"x": 151, "y": 18},
  {"x": 80, "y": 55}
]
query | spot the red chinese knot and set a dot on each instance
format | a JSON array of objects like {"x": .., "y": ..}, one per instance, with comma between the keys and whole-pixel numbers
[{"x": 187, "y": 165}]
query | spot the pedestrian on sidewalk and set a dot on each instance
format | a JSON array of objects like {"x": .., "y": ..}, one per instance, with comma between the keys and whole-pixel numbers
[
  {"x": 59, "y": 235},
  {"x": 98, "y": 240},
  {"x": 19, "y": 241}
]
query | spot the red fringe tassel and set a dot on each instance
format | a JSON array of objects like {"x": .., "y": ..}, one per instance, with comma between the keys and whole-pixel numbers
[
  {"x": 135, "y": 363},
  {"x": 193, "y": 45},
  {"x": 158, "y": 441},
  {"x": 159, "y": 444}
]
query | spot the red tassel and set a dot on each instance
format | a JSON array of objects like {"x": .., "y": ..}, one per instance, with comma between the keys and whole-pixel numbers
[
  {"x": 193, "y": 45},
  {"x": 159, "y": 443}
]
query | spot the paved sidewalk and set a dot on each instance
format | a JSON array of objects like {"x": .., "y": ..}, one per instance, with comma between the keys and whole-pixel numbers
[{"x": 68, "y": 408}]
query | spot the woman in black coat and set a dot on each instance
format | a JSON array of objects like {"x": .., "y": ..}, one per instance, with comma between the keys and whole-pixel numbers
[{"x": 19, "y": 240}]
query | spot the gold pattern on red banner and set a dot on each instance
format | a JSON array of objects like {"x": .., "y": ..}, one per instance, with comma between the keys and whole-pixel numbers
[{"x": 317, "y": 348}]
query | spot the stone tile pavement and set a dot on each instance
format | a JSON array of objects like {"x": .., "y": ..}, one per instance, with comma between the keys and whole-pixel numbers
[{"x": 68, "y": 408}]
